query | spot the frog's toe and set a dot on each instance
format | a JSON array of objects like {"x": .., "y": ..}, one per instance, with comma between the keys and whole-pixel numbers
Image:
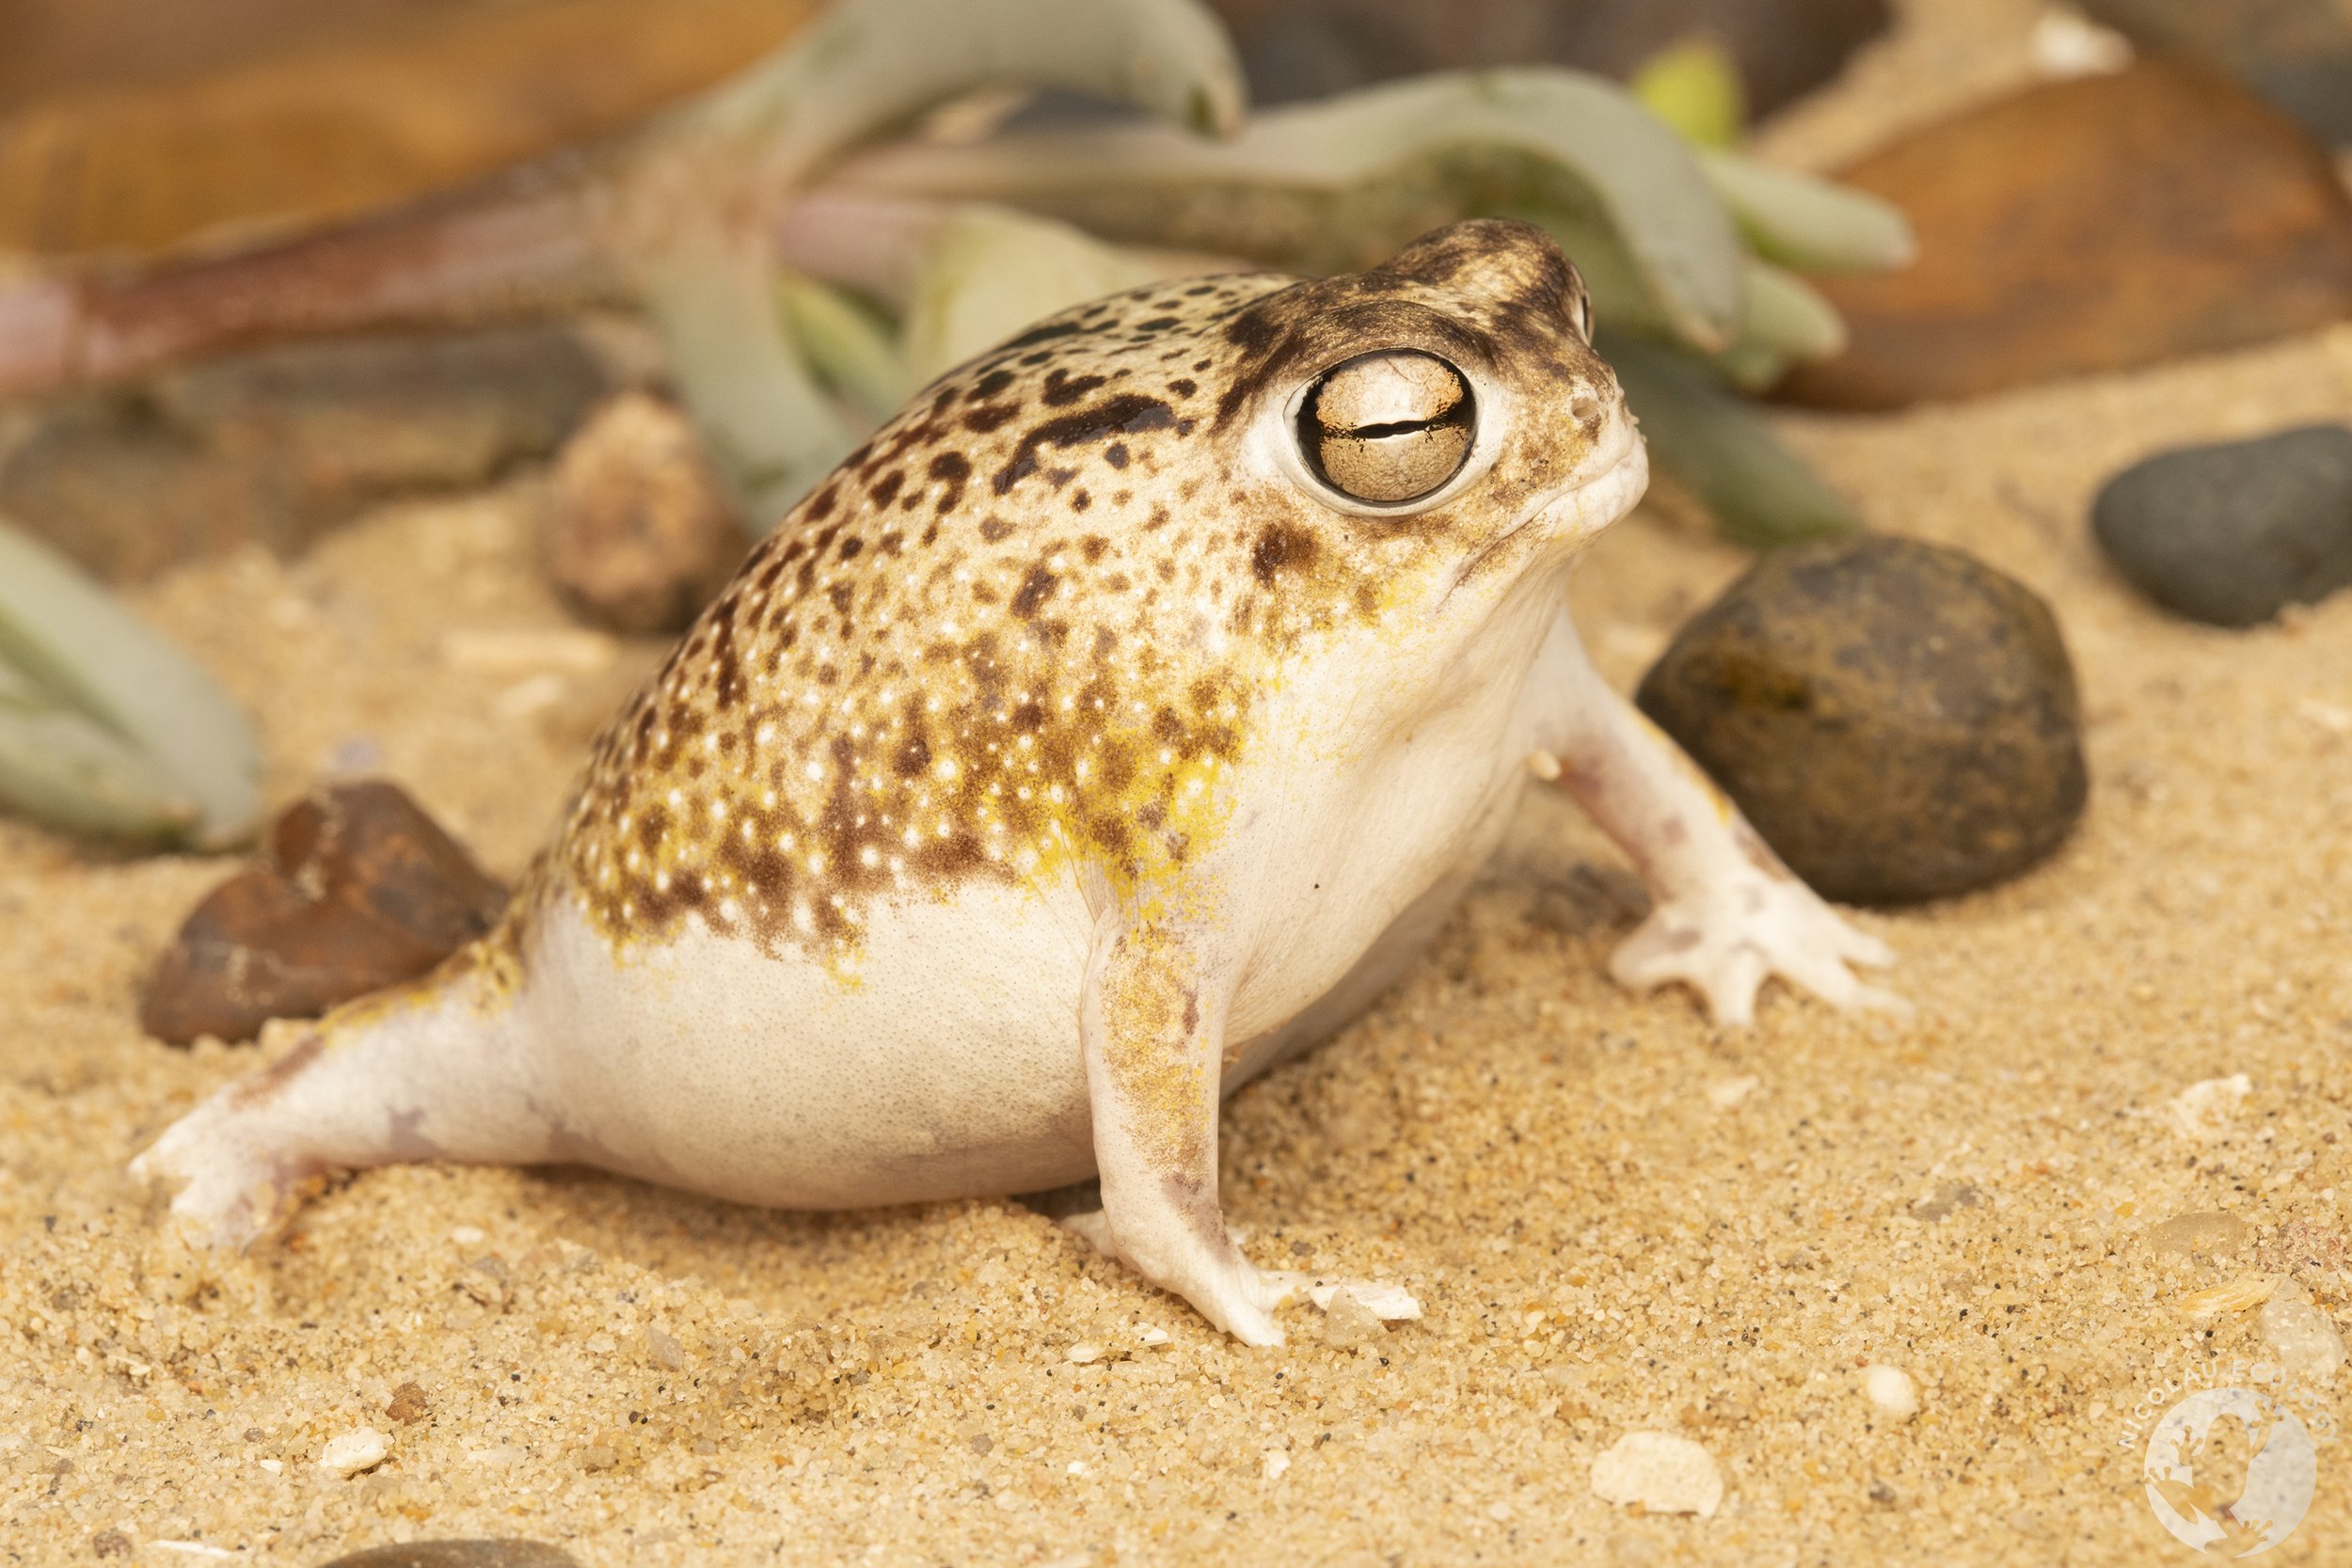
[
  {"x": 1727, "y": 944},
  {"x": 228, "y": 1191}
]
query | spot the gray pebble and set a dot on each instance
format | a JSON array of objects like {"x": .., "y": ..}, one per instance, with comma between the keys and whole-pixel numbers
[
  {"x": 2231, "y": 533},
  {"x": 1898, "y": 721}
]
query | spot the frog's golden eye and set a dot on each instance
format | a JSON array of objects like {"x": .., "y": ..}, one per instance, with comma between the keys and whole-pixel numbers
[{"x": 1387, "y": 427}]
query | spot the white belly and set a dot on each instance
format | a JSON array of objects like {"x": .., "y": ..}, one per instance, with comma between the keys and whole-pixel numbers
[{"x": 946, "y": 1061}]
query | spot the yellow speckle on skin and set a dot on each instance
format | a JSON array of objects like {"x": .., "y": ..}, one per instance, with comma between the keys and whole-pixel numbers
[{"x": 961, "y": 627}]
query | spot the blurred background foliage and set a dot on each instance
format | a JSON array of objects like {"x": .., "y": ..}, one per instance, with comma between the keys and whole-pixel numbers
[{"x": 264, "y": 264}]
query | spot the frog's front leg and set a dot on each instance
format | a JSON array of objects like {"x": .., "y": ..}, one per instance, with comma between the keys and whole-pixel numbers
[
  {"x": 1151, "y": 1024},
  {"x": 1728, "y": 913}
]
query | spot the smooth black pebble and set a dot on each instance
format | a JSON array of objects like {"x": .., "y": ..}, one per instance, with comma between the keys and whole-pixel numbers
[{"x": 2231, "y": 534}]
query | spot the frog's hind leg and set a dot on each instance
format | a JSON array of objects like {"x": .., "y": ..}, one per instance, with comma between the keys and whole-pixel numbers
[{"x": 435, "y": 1069}]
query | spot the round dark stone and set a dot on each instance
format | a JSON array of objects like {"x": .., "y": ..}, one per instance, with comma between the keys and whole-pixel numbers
[
  {"x": 1898, "y": 721},
  {"x": 459, "y": 1553},
  {"x": 2233, "y": 534}
]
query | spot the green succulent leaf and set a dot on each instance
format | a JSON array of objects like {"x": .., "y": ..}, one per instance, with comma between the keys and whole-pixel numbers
[
  {"x": 864, "y": 66},
  {"x": 1787, "y": 321},
  {"x": 849, "y": 344},
  {"x": 768, "y": 427},
  {"x": 1718, "y": 447},
  {"x": 1807, "y": 223},
  {"x": 104, "y": 727},
  {"x": 697, "y": 187},
  {"x": 990, "y": 272},
  {"x": 1694, "y": 87},
  {"x": 1340, "y": 185}
]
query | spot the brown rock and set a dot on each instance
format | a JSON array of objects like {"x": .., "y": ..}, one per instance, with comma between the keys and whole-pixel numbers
[
  {"x": 2090, "y": 225},
  {"x": 278, "y": 445},
  {"x": 639, "y": 536},
  {"x": 1898, "y": 721},
  {"x": 205, "y": 121},
  {"x": 409, "y": 1405},
  {"x": 459, "y": 1553},
  {"x": 2296, "y": 53},
  {"x": 360, "y": 889}
]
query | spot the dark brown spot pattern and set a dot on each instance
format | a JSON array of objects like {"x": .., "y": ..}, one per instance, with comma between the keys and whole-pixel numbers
[{"x": 1054, "y": 670}]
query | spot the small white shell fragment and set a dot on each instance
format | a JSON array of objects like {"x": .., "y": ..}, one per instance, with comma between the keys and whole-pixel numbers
[
  {"x": 273, "y": 1466},
  {"x": 1278, "y": 1463},
  {"x": 2300, "y": 1334},
  {"x": 1665, "y": 1472},
  {"x": 1388, "y": 1302},
  {"x": 469, "y": 1235},
  {"x": 2247, "y": 1289},
  {"x": 2202, "y": 1111},
  {"x": 1891, "y": 1389},
  {"x": 355, "y": 1451},
  {"x": 1152, "y": 1336},
  {"x": 1726, "y": 1093},
  {"x": 1084, "y": 1351}
]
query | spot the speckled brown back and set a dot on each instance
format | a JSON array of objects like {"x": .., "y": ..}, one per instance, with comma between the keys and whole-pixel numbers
[{"x": 1031, "y": 620}]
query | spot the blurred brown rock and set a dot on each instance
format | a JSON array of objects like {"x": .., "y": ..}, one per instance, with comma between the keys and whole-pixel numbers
[
  {"x": 359, "y": 890},
  {"x": 138, "y": 125},
  {"x": 2090, "y": 225},
  {"x": 2296, "y": 53},
  {"x": 637, "y": 535},
  {"x": 1297, "y": 48},
  {"x": 278, "y": 445}
]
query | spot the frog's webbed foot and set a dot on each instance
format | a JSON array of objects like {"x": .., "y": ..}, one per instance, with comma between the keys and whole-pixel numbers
[
  {"x": 234, "y": 1182},
  {"x": 1152, "y": 1026},
  {"x": 1729, "y": 914},
  {"x": 1727, "y": 940},
  {"x": 429, "y": 1074},
  {"x": 1272, "y": 1288}
]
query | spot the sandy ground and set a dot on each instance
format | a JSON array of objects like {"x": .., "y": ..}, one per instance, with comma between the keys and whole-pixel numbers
[{"x": 1617, "y": 1216}]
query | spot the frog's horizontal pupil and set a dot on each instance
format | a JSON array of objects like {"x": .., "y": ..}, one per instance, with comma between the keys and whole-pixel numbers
[{"x": 1387, "y": 427}]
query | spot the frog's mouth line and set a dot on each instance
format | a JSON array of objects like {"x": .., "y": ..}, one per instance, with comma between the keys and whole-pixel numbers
[{"x": 1596, "y": 502}]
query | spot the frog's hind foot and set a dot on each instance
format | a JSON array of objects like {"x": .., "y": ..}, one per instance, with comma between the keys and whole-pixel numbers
[
  {"x": 236, "y": 1178},
  {"x": 425, "y": 1074},
  {"x": 1269, "y": 1290}
]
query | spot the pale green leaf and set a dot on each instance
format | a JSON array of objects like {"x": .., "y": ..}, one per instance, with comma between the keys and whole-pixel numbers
[
  {"x": 106, "y": 726},
  {"x": 847, "y": 343},
  {"x": 695, "y": 188},
  {"x": 1340, "y": 185},
  {"x": 1717, "y": 446},
  {"x": 990, "y": 272},
  {"x": 1806, "y": 223},
  {"x": 769, "y": 428}
]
